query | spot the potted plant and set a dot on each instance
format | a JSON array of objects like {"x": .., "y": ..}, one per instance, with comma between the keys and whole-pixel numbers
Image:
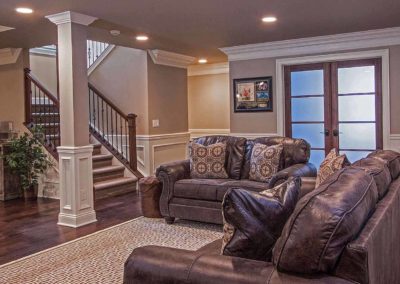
[{"x": 28, "y": 160}]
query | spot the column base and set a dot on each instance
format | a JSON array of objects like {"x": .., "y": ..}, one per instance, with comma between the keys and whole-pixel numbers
[{"x": 75, "y": 221}]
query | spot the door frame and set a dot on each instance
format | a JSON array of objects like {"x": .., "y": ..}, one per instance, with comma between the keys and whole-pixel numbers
[{"x": 280, "y": 84}]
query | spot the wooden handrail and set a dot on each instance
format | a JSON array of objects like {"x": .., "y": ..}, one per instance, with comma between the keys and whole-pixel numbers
[
  {"x": 104, "y": 98},
  {"x": 53, "y": 99}
]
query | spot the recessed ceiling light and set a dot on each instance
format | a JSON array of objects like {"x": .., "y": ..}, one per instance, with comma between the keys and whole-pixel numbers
[
  {"x": 202, "y": 60},
  {"x": 24, "y": 10},
  {"x": 269, "y": 19},
  {"x": 142, "y": 37},
  {"x": 115, "y": 32}
]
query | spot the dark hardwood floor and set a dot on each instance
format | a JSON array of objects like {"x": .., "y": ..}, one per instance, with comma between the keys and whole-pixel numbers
[{"x": 31, "y": 226}]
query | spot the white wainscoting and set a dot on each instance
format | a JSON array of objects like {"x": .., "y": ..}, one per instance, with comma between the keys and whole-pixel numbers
[
  {"x": 395, "y": 142},
  {"x": 154, "y": 150}
]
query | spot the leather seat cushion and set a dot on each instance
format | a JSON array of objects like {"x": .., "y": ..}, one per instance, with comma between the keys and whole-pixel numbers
[
  {"x": 325, "y": 221},
  {"x": 391, "y": 157},
  {"x": 213, "y": 189},
  {"x": 380, "y": 171}
]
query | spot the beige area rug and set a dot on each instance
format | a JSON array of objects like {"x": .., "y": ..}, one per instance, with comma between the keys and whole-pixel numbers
[{"x": 99, "y": 257}]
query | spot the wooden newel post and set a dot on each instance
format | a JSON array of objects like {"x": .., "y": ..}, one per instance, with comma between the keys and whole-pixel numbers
[
  {"x": 28, "y": 96},
  {"x": 132, "y": 141}
]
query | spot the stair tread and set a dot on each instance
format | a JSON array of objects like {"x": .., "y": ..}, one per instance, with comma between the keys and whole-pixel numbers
[
  {"x": 114, "y": 182},
  {"x": 100, "y": 157},
  {"x": 112, "y": 168}
]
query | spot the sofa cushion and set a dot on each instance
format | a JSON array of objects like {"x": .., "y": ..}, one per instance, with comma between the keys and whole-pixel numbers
[
  {"x": 213, "y": 189},
  {"x": 207, "y": 161},
  {"x": 265, "y": 161},
  {"x": 330, "y": 165},
  {"x": 253, "y": 221},
  {"x": 379, "y": 170},
  {"x": 295, "y": 151},
  {"x": 324, "y": 221},
  {"x": 391, "y": 157},
  {"x": 234, "y": 152}
]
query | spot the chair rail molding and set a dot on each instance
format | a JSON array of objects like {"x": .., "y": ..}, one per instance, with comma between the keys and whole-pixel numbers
[
  {"x": 172, "y": 59},
  {"x": 9, "y": 55},
  {"x": 395, "y": 142},
  {"x": 381, "y": 53},
  {"x": 208, "y": 69},
  {"x": 197, "y": 132},
  {"x": 254, "y": 135},
  {"x": 312, "y": 45}
]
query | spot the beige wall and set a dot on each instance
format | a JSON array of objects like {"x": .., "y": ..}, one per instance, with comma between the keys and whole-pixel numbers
[
  {"x": 44, "y": 68},
  {"x": 122, "y": 77},
  {"x": 208, "y": 101},
  {"x": 12, "y": 99},
  {"x": 265, "y": 122},
  {"x": 259, "y": 122},
  {"x": 168, "y": 100}
]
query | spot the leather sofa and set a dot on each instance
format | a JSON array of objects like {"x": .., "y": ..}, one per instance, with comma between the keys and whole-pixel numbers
[
  {"x": 371, "y": 256},
  {"x": 201, "y": 199}
]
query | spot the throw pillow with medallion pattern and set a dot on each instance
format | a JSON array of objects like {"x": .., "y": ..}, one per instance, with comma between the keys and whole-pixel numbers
[
  {"x": 207, "y": 161},
  {"x": 264, "y": 161},
  {"x": 332, "y": 163}
]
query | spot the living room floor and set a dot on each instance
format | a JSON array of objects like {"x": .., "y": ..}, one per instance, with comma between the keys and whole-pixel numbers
[{"x": 28, "y": 227}]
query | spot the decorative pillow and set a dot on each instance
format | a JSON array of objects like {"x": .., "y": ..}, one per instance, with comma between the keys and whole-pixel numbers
[
  {"x": 331, "y": 164},
  {"x": 264, "y": 162},
  {"x": 325, "y": 221},
  {"x": 207, "y": 161},
  {"x": 254, "y": 221}
]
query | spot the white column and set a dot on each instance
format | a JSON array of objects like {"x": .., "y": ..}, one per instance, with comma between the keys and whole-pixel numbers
[{"x": 75, "y": 152}]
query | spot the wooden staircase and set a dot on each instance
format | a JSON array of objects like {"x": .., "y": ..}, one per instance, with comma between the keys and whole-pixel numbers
[{"x": 114, "y": 172}]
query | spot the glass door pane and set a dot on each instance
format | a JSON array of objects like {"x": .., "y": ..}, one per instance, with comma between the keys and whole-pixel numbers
[
  {"x": 356, "y": 98},
  {"x": 307, "y": 110}
]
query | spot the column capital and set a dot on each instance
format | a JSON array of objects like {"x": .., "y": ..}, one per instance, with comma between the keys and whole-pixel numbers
[{"x": 71, "y": 17}]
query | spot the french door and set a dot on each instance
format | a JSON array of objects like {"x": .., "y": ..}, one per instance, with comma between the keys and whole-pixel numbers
[{"x": 335, "y": 105}]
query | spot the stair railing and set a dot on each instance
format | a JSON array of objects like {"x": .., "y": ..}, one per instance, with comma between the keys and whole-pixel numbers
[
  {"x": 113, "y": 128},
  {"x": 94, "y": 50},
  {"x": 42, "y": 110}
]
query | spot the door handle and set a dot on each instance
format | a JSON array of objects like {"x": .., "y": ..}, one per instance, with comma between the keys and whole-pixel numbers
[
  {"x": 325, "y": 132},
  {"x": 336, "y": 132}
]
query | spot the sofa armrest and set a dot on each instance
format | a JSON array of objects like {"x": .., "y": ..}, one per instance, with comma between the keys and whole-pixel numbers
[
  {"x": 154, "y": 264},
  {"x": 297, "y": 170},
  {"x": 168, "y": 174}
]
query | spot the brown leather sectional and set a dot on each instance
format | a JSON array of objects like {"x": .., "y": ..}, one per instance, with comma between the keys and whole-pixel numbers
[
  {"x": 345, "y": 231},
  {"x": 200, "y": 199}
]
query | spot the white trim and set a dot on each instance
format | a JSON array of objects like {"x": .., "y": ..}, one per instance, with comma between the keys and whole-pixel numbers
[
  {"x": 312, "y": 45},
  {"x": 208, "y": 69},
  {"x": 382, "y": 53},
  {"x": 71, "y": 17},
  {"x": 100, "y": 59},
  {"x": 254, "y": 135},
  {"x": 4, "y": 28},
  {"x": 395, "y": 142},
  {"x": 168, "y": 58},
  {"x": 162, "y": 136},
  {"x": 9, "y": 55}
]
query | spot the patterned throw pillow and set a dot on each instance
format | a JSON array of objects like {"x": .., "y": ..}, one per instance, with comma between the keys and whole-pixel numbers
[
  {"x": 330, "y": 165},
  {"x": 207, "y": 161},
  {"x": 264, "y": 161}
]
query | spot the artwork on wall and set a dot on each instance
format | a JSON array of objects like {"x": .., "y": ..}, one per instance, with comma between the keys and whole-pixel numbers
[{"x": 252, "y": 94}]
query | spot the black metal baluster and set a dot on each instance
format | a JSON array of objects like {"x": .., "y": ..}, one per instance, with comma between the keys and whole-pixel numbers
[
  {"x": 108, "y": 133},
  {"x": 98, "y": 114},
  {"x": 112, "y": 129},
  {"x": 116, "y": 130},
  {"x": 102, "y": 118},
  {"x": 121, "y": 139}
]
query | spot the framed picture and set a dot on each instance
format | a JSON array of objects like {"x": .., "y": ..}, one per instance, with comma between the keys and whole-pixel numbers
[{"x": 252, "y": 94}]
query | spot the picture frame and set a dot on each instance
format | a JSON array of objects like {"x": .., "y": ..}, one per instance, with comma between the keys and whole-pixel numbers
[{"x": 253, "y": 94}]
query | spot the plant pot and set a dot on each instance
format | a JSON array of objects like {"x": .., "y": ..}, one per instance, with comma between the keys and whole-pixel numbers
[{"x": 31, "y": 193}]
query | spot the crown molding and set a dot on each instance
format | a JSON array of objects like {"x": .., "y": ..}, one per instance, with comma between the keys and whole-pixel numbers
[
  {"x": 9, "y": 55},
  {"x": 48, "y": 50},
  {"x": 320, "y": 44},
  {"x": 168, "y": 58},
  {"x": 71, "y": 17},
  {"x": 208, "y": 69}
]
